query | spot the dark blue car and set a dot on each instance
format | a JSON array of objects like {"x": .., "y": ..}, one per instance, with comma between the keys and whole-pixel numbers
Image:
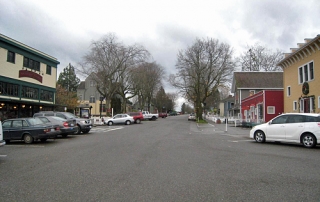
[{"x": 28, "y": 130}]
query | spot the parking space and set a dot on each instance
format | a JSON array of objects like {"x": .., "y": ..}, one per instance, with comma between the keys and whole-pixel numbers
[{"x": 98, "y": 129}]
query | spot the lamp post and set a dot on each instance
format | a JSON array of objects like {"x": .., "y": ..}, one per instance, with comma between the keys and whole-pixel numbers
[{"x": 101, "y": 99}]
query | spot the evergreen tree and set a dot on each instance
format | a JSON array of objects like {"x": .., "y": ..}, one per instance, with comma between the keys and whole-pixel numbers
[{"x": 68, "y": 79}]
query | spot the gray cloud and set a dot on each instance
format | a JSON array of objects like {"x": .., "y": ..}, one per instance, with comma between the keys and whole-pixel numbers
[{"x": 277, "y": 24}]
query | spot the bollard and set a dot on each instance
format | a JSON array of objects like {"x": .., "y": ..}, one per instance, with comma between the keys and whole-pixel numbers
[{"x": 226, "y": 125}]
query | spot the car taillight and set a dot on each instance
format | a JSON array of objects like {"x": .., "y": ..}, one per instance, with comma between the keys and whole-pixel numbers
[
  {"x": 65, "y": 124},
  {"x": 319, "y": 124}
]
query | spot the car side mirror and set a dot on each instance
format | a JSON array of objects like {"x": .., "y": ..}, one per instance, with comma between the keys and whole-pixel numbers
[{"x": 270, "y": 122}]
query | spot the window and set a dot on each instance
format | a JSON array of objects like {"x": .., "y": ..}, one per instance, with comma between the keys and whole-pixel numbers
[
  {"x": 312, "y": 119},
  {"x": 32, "y": 64},
  {"x": 28, "y": 92},
  {"x": 280, "y": 120},
  {"x": 80, "y": 97},
  {"x": 306, "y": 77},
  {"x": 318, "y": 101},
  {"x": 17, "y": 124},
  {"x": 312, "y": 105},
  {"x": 306, "y": 73},
  {"x": 301, "y": 105},
  {"x": 295, "y": 105},
  {"x": 6, "y": 124},
  {"x": 251, "y": 92},
  {"x": 271, "y": 110},
  {"x": 311, "y": 70},
  {"x": 92, "y": 99},
  {"x": 92, "y": 84},
  {"x": 288, "y": 91},
  {"x": 9, "y": 89},
  {"x": 295, "y": 119},
  {"x": 300, "y": 75},
  {"x": 48, "y": 70},
  {"x": 46, "y": 95},
  {"x": 11, "y": 57}
]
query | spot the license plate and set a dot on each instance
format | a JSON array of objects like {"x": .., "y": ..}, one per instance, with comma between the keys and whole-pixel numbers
[
  {"x": 89, "y": 126},
  {"x": 52, "y": 129},
  {"x": 72, "y": 124}
]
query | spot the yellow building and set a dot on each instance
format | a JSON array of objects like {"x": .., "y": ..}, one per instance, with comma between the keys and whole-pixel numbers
[
  {"x": 301, "y": 77},
  {"x": 27, "y": 79}
]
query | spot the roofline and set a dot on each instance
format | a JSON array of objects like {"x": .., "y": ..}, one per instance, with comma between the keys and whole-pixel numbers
[
  {"x": 291, "y": 55},
  {"x": 27, "y": 48}
]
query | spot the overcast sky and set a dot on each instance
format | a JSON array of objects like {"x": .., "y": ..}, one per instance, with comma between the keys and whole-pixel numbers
[{"x": 65, "y": 28}]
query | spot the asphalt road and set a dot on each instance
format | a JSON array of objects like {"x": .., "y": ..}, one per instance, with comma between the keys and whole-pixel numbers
[{"x": 169, "y": 159}]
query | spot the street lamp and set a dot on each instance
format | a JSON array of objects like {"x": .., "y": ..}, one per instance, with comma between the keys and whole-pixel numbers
[{"x": 101, "y": 99}]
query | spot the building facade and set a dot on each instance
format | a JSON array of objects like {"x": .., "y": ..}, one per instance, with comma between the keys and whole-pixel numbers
[
  {"x": 262, "y": 106},
  {"x": 27, "y": 79},
  {"x": 301, "y": 77},
  {"x": 89, "y": 99},
  {"x": 247, "y": 84},
  {"x": 225, "y": 106}
]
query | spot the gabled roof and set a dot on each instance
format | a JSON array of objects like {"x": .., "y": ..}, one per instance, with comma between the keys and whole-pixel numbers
[
  {"x": 257, "y": 80},
  {"x": 82, "y": 85},
  {"x": 229, "y": 98}
]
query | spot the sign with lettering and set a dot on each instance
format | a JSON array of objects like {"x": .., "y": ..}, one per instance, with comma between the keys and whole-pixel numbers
[{"x": 30, "y": 74}]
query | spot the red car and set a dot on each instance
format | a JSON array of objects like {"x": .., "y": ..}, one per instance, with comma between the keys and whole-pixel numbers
[
  {"x": 137, "y": 116},
  {"x": 163, "y": 114}
]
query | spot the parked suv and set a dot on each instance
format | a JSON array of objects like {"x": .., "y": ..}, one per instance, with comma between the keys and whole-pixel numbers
[
  {"x": 137, "y": 116},
  {"x": 301, "y": 128},
  {"x": 84, "y": 125}
]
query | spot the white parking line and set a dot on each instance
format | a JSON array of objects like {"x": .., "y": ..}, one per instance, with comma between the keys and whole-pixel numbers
[
  {"x": 3, "y": 156},
  {"x": 240, "y": 140},
  {"x": 34, "y": 146}
]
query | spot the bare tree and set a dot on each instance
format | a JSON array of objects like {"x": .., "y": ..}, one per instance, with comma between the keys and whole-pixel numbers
[
  {"x": 260, "y": 58},
  {"x": 202, "y": 69},
  {"x": 108, "y": 62},
  {"x": 147, "y": 79}
]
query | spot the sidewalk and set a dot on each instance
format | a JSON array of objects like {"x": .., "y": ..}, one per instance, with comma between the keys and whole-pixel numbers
[{"x": 230, "y": 129}]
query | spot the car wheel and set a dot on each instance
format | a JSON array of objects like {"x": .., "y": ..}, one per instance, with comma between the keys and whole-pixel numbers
[
  {"x": 85, "y": 131},
  {"x": 43, "y": 139},
  {"x": 138, "y": 121},
  {"x": 28, "y": 139},
  {"x": 128, "y": 122},
  {"x": 64, "y": 135},
  {"x": 154, "y": 118},
  {"x": 259, "y": 136},
  {"x": 78, "y": 131},
  {"x": 110, "y": 123},
  {"x": 309, "y": 140}
]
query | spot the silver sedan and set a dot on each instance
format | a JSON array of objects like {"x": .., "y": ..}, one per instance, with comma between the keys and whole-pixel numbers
[{"x": 120, "y": 119}]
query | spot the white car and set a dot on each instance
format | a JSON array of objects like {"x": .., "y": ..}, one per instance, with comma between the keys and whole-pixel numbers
[
  {"x": 301, "y": 128},
  {"x": 120, "y": 119},
  {"x": 192, "y": 117}
]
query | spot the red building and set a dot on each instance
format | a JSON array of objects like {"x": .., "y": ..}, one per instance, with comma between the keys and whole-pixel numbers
[{"x": 262, "y": 106}]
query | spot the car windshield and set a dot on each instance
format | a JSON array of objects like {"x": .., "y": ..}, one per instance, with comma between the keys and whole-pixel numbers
[{"x": 34, "y": 121}]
